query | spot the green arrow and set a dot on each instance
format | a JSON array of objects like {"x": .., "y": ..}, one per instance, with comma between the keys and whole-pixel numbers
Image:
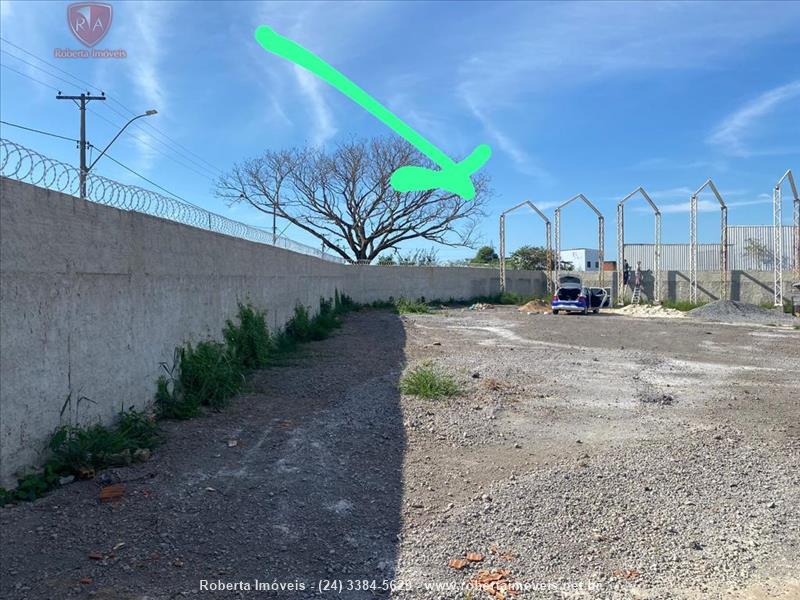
[{"x": 453, "y": 176}]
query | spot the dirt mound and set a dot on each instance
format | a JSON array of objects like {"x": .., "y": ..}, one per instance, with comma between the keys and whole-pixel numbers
[
  {"x": 649, "y": 310},
  {"x": 535, "y": 306},
  {"x": 731, "y": 311}
]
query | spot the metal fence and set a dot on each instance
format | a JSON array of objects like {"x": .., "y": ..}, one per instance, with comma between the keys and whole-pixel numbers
[
  {"x": 21, "y": 163},
  {"x": 749, "y": 249}
]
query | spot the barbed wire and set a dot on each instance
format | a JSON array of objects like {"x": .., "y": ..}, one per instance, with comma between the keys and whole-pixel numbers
[{"x": 23, "y": 164}]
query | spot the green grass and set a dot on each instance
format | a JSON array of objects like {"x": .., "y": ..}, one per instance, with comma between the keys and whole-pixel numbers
[
  {"x": 383, "y": 305},
  {"x": 209, "y": 374},
  {"x": 787, "y": 306},
  {"x": 406, "y": 307},
  {"x": 427, "y": 381},
  {"x": 73, "y": 449},
  {"x": 682, "y": 305},
  {"x": 249, "y": 341},
  {"x": 512, "y": 298},
  {"x": 206, "y": 375}
]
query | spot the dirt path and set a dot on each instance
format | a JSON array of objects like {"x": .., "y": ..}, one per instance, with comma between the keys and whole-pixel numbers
[
  {"x": 312, "y": 489},
  {"x": 591, "y": 457}
]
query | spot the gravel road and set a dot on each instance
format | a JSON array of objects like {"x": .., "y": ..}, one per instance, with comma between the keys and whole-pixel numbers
[{"x": 588, "y": 457}]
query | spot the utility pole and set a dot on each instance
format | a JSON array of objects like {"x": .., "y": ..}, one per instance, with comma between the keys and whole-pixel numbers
[
  {"x": 81, "y": 102},
  {"x": 274, "y": 227}
]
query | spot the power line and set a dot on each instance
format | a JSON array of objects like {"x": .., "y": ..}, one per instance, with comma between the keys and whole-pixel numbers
[
  {"x": 182, "y": 155},
  {"x": 181, "y": 198},
  {"x": 68, "y": 74},
  {"x": 55, "y": 135},
  {"x": 29, "y": 77},
  {"x": 150, "y": 181},
  {"x": 98, "y": 115},
  {"x": 205, "y": 164},
  {"x": 38, "y": 68},
  {"x": 149, "y": 145}
]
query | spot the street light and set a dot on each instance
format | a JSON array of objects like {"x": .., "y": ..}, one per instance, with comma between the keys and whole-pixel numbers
[{"x": 84, "y": 173}]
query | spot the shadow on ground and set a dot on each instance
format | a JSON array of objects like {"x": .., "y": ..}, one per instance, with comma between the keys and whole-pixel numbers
[{"x": 299, "y": 481}]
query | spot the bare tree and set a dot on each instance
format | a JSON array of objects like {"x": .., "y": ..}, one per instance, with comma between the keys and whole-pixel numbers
[{"x": 344, "y": 199}]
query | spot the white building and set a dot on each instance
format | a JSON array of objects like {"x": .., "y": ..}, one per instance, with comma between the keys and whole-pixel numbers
[{"x": 582, "y": 259}]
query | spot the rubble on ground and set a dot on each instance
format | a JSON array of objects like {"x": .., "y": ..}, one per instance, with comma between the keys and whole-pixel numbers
[
  {"x": 731, "y": 311},
  {"x": 649, "y": 310},
  {"x": 535, "y": 307},
  {"x": 480, "y": 306}
]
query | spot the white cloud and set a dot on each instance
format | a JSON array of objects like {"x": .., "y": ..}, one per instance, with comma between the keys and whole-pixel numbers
[
  {"x": 309, "y": 24},
  {"x": 143, "y": 36},
  {"x": 566, "y": 45},
  {"x": 732, "y": 132},
  {"x": 523, "y": 161},
  {"x": 311, "y": 87},
  {"x": 6, "y": 9}
]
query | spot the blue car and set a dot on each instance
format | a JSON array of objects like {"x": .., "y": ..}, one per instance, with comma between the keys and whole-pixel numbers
[{"x": 571, "y": 296}]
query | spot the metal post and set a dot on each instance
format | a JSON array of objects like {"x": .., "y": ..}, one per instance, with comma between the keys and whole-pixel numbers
[
  {"x": 777, "y": 246},
  {"x": 620, "y": 254},
  {"x": 657, "y": 290},
  {"x": 549, "y": 273},
  {"x": 693, "y": 249},
  {"x": 549, "y": 244},
  {"x": 558, "y": 245},
  {"x": 723, "y": 253},
  {"x": 601, "y": 242},
  {"x": 503, "y": 253},
  {"x": 796, "y": 223}
]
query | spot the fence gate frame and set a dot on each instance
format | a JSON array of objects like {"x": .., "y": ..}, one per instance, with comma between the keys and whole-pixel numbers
[
  {"x": 548, "y": 245},
  {"x": 777, "y": 236},
  {"x": 723, "y": 242},
  {"x": 621, "y": 245},
  {"x": 601, "y": 227}
]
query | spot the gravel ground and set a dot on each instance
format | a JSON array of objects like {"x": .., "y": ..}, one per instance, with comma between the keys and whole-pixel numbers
[
  {"x": 588, "y": 457},
  {"x": 731, "y": 311}
]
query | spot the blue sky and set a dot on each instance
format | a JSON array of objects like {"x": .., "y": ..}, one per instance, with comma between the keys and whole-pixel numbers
[{"x": 594, "y": 98}]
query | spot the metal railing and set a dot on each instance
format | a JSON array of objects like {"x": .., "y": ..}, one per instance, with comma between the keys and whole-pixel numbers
[{"x": 23, "y": 164}]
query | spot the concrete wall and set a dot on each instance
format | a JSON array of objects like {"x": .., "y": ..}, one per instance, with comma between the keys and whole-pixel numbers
[
  {"x": 755, "y": 287},
  {"x": 93, "y": 298}
]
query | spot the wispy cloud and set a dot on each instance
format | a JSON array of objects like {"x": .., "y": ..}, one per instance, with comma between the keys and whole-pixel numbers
[
  {"x": 323, "y": 128},
  {"x": 732, "y": 132},
  {"x": 559, "y": 47},
  {"x": 522, "y": 160},
  {"x": 310, "y": 23},
  {"x": 148, "y": 26}
]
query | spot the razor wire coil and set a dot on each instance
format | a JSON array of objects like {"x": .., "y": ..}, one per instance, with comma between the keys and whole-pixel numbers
[{"x": 26, "y": 165}]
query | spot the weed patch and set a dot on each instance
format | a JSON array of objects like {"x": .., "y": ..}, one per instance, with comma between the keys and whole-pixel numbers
[
  {"x": 209, "y": 374},
  {"x": 405, "y": 307},
  {"x": 249, "y": 341},
  {"x": 76, "y": 449},
  {"x": 205, "y": 375},
  {"x": 426, "y": 381},
  {"x": 682, "y": 305}
]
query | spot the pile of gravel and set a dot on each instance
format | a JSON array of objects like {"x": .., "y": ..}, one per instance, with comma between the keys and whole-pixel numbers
[{"x": 731, "y": 311}]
